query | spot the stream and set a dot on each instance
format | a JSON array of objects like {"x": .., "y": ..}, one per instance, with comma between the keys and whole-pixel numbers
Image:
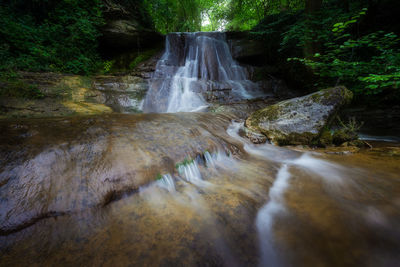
[
  {"x": 176, "y": 188},
  {"x": 229, "y": 202}
]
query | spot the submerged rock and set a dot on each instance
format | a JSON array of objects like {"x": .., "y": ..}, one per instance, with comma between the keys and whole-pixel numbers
[
  {"x": 55, "y": 166},
  {"x": 299, "y": 120}
]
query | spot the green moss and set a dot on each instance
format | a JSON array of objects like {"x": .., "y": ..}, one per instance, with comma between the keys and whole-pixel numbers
[
  {"x": 316, "y": 97},
  {"x": 325, "y": 139},
  {"x": 185, "y": 162},
  {"x": 341, "y": 136},
  {"x": 11, "y": 85},
  {"x": 159, "y": 177},
  {"x": 296, "y": 139},
  {"x": 129, "y": 61},
  {"x": 347, "y": 95},
  {"x": 268, "y": 113}
]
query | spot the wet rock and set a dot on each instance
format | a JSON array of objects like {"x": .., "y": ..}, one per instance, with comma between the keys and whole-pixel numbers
[
  {"x": 65, "y": 95},
  {"x": 122, "y": 94},
  {"x": 70, "y": 165},
  {"x": 254, "y": 137},
  {"x": 299, "y": 120},
  {"x": 242, "y": 109},
  {"x": 341, "y": 136}
]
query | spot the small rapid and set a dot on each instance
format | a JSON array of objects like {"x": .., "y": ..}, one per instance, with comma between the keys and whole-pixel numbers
[
  {"x": 174, "y": 189},
  {"x": 196, "y": 68}
]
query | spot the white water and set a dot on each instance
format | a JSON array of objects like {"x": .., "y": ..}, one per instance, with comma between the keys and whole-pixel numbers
[
  {"x": 392, "y": 139},
  {"x": 167, "y": 182},
  {"x": 330, "y": 173},
  {"x": 265, "y": 216},
  {"x": 193, "y": 66}
]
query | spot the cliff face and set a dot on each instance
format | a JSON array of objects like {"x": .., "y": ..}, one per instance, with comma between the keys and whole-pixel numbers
[{"x": 128, "y": 26}]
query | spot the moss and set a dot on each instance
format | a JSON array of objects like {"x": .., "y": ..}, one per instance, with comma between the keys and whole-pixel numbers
[
  {"x": 185, "y": 162},
  {"x": 128, "y": 61},
  {"x": 325, "y": 139},
  {"x": 291, "y": 139},
  {"x": 341, "y": 136},
  {"x": 11, "y": 85},
  {"x": 269, "y": 113},
  {"x": 332, "y": 96},
  {"x": 347, "y": 95},
  {"x": 316, "y": 97},
  {"x": 298, "y": 139}
]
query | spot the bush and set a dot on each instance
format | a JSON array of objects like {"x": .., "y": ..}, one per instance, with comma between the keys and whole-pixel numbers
[{"x": 50, "y": 35}]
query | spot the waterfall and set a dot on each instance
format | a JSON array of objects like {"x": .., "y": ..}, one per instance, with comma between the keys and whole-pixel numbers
[{"x": 196, "y": 68}]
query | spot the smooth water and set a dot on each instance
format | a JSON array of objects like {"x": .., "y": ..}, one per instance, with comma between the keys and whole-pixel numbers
[
  {"x": 194, "y": 67},
  {"x": 186, "y": 189},
  {"x": 225, "y": 202}
]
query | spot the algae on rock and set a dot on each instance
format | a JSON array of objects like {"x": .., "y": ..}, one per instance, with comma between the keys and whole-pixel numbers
[{"x": 299, "y": 120}]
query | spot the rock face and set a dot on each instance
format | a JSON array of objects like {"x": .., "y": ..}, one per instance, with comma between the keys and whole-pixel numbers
[
  {"x": 65, "y": 95},
  {"x": 127, "y": 27},
  {"x": 245, "y": 49},
  {"x": 299, "y": 120},
  {"x": 55, "y": 166}
]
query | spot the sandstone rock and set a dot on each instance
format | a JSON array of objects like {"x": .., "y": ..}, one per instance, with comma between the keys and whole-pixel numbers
[{"x": 299, "y": 120}]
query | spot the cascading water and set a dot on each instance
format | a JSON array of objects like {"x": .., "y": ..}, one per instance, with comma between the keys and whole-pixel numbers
[
  {"x": 69, "y": 201},
  {"x": 196, "y": 68}
]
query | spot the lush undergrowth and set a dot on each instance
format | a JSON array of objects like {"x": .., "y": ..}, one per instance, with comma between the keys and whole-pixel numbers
[
  {"x": 337, "y": 45},
  {"x": 50, "y": 35}
]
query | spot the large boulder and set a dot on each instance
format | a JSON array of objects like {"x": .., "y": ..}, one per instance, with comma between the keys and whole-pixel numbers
[{"x": 299, "y": 120}]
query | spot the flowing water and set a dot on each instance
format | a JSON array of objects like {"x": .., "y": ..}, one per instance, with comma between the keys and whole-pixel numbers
[
  {"x": 194, "y": 67},
  {"x": 226, "y": 202},
  {"x": 186, "y": 189}
]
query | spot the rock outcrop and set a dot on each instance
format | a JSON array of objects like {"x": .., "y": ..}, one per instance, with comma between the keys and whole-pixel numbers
[
  {"x": 299, "y": 120},
  {"x": 246, "y": 49},
  {"x": 56, "y": 166},
  {"x": 127, "y": 27},
  {"x": 65, "y": 95}
]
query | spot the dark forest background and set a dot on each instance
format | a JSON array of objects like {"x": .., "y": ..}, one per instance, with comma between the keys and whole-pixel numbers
[{"x": 314, "y": 43}]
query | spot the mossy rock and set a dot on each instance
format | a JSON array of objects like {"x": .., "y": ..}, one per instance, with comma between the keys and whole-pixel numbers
[
  {"x": 325, "y": 139},
  {"x": 300, "y": 120}
]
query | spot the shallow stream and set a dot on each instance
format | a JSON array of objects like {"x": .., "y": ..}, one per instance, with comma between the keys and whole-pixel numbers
[{"x": 187, "y": 189}]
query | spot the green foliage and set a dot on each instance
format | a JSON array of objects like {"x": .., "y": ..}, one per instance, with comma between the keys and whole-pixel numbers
[
  {"x": 212, "y": 15},
  {"x": 107, "y": 66},
  {"x": 50, "y": 35},
  {"x": 352, "y": 126},
  {"x": 141, "y": 57},
  {"x": 11, "y": 85},
  {"x": 175, "y": 16},
  {"x": 367, "y": 64},
  {"x": 246, "y": 14}
]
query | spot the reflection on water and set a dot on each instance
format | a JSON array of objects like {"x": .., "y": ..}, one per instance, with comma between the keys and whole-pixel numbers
[{"x": 234, "y": 204}]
